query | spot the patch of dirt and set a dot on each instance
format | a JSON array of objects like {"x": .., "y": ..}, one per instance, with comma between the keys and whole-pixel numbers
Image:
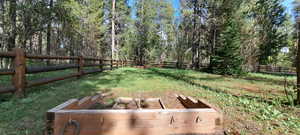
[
  {"x": 235, "y": 121},
  {"x": 249, "y": 88},
  {"x": 257, "y": 89}
]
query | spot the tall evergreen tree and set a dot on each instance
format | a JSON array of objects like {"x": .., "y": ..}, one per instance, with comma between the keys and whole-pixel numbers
[
  {"x": 123, "y": 23},
  {"x": 146, "y": 29},
  {"x": 165, "y": 31},
  {"x": 270, "y": 16},
  {"x": 228, "y": 59},
  {"x": 13, "y": 22},
  {"x": 88, "y": 22}
]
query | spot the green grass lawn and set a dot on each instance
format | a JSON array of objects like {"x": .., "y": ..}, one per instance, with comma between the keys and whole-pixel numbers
[{"x": 252, "y": 104}]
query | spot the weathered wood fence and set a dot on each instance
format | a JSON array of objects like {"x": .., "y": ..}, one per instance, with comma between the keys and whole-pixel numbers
[
  {"x": 20, "y": 69},
  {"x": 260, "y": 68},
  {"x": 171, "y": 64},
  {"x": 276, "y": 69}
]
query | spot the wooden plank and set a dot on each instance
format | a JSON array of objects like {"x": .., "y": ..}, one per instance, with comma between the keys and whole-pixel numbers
[
  {"x": 74, "y": 104},
  {"x": 124, "y": 100},
  {"x": 7, "y": 54},
  {"x": 206, "y": 103},
  {"x": 106, "y": 60},
  {"x": 33, "y": 70},
  {"x": 135, "y": 122},
  {"x": 88, "y": 102},
  {"x": 105, "y": 64},
  {"x": 189, "y": 102},
  {"x": 162, "y": 104},
  {"x": 91, "y": 71},
  {"x": 7, "y": 89},
  {"x": 7, "y": 71},
  {"x": 49, "y": 80},
  {"x": 65, "y": 105},
  {"x": 92, "y": 59},
  {"x": 92, "y": 65},
  {"x": 78, "y": 103},
  {"x": 51, "y": 57},
  {"x": 198, "y": 104}
]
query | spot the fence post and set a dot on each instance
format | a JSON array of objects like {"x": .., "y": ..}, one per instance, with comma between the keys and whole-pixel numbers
[
  {"x": 117, "y": 63},
  {"x": 19, "y": 77},
  {"x": 80, "y": 66},
  {"x": 101, "y": 64},
  {"x": 280, "y": 69},
  {"x": 111, "y": 64}
]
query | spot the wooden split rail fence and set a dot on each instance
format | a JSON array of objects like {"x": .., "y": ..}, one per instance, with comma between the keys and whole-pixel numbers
[
  {"x": 276, "y": 70},
  {"x": 20, "y": 69},
  {"x": 260, "y": 68}
]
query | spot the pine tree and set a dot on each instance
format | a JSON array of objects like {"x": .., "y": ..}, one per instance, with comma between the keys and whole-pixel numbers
[
  {"x": 227, "y": 60},
  {"x": 123, "y": 22},
  {"x": 146, "y": 29},
  {"x": 164, "y": 31},
  {"x": 270, "y": 17},
  {"x": 87, "y": 20}
]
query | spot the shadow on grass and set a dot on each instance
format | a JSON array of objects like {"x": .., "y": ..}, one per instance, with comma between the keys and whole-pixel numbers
[
  {"x": 50, "y": 86},
  {"x": 189, "y": 80},
  {"x": 26, "y": 115},
  {"x": 267, "y": 80},
  {"x": 256, "y": 78}
]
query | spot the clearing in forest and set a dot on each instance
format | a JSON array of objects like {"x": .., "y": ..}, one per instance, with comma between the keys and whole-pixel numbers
[{"x": 252, "y": 104}]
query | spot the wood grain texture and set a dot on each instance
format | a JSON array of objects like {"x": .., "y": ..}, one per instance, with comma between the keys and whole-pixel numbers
[
  {"x": 137, "y": 122},
  {"x": 191, "y": 121},
  {"x": 19, "y": 77}
]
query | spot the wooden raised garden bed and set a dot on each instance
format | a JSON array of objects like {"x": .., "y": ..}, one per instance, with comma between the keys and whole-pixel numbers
[{"x": 128, "y": 116}]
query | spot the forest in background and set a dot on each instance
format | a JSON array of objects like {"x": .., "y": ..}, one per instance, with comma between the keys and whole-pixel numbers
[{"x": 226, "y": 36}]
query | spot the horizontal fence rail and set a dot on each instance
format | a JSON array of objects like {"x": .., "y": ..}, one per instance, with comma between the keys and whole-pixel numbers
[
  {"x": 174, "y": 64},
  {"x": 260, "y": 68},
  {"x": 276, "y": 70},
  {"x": 19, "y": 69}
]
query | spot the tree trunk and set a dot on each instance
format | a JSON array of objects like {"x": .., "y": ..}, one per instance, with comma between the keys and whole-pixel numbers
[
  {"x": 2, "y": 25},
  {"x": 2, "y": 39},
  {"x": 40, "y": 43},
  {"x": 113, "y": 49},
  {"x": 49, "y": 32},
  {"x": 32, "y": 51},
  {"x": 13, "y": 33},
  {"x": 28, "y": 28},
  {"x": 298, "y": 65},
  {"x": 195, "y": 37}
]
